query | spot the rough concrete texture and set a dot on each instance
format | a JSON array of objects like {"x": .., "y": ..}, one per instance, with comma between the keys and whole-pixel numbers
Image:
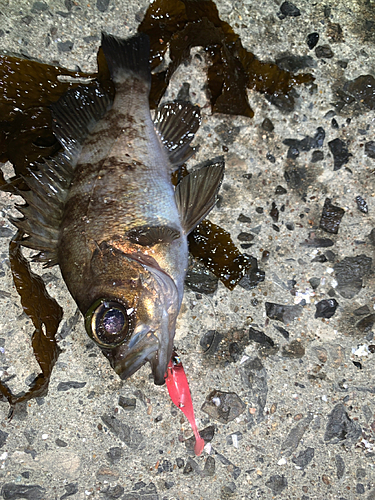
[{"x": 303, "y": 379}]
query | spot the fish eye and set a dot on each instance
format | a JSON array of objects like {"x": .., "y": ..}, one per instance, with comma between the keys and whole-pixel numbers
[{"x": 108, "y": 323}]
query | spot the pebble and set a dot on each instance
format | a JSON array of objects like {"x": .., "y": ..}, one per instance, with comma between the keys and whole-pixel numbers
[
  {"x": 340, "y": 466},
  {"x": 289, "y": 9},
  {"x": 370, "y": 149},
  {"x": 114, "y": 454},
  {"x": 361, "y": 205},
  {"x": 365, "y": 324},
  {"x": 70, "y": 490},
  {"x": 281, "y": 312},
  {"x": 131, "y": 437},
  {"x": 209, "y": 467},
  {"x": 201, "y": 280},
  {"x": 127, "y": 403},
  {"x": 254, "y": 377},
  {"x": 303, "y": 459},
  {"x": 11, "y": 491},
  {"x": 102, "y": 5},
  {"x": 295, "y": 435},
  {"x": 340, "y": 427},
  {"x": 340, "y": 153},
  {"x": 267, "y": 125},
  {"x": 282, "y": 330},
  {"x": 65, "y": 46},
  {"x": 277, "y": 483},
  {"x": 363, "y": 90},
  {"x": 331, "y": 217},
  {"x": 223, "y": 406},
  {"x": 349, "y": 274},
  {"x": 324, "y": 52},
  {"x": 65, "y": 386},
  {"x": 326, "y": 308},
  {"x": 312, "y": 40},
  {"x": 3, "y": 438}
]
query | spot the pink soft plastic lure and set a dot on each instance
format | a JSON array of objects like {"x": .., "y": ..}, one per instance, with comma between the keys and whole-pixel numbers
[{"x": 178, "y": 388}]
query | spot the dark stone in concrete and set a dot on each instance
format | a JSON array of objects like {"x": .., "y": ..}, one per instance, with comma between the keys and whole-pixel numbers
[
  {"x": 340, "y": 466},
  {"x": 340, "y": 153},
  {"x": 294, "y": 349},
  {"x": 331, "y": 217},
  {"x": 349, "y": 274},
  {"x": 11, "y": 491},
  {"x": 124, "y": 432},
  {"x": 340, "y": 427},
  {"x": 281, "y": 312},
  {"x": 65, "y": 386},
  {"x": 223, "y": 406},
  {"x": 295, "y": 435},
  {"x": 304, "y": 457},
  {"x": 277, "y": 483},
  {"x": 326, "y": 308},
  {"x": 254, "y": 376}
]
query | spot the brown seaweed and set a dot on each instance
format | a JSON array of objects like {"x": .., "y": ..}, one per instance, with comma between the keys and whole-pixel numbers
[
  {"x": 214, "y": 247},
  {"x": 182, "y": 24},
  {"x": 44, "y": 312},
  {"x": 27, "y": 89}
]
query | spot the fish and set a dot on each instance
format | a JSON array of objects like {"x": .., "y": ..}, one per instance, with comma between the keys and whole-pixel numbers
[
  {"x": 105, "y": 211},
  {"x": 179, "y": 392}
]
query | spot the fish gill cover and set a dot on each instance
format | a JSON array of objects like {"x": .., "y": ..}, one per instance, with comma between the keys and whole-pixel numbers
[{"x": 29, "y": 87}]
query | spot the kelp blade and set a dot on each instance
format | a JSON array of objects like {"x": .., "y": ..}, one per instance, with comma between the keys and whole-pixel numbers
[
  {"x": 182, "y": 24},
  {"x": 46, "y": 315},
  {"x": 214, "y": 247}
]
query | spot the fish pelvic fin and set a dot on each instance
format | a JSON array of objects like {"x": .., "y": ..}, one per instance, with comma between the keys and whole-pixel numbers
[
  {"x": 196, "y": 194},
  {"x": 176, "y": 124},
  {"x": 127, "y": 56}
]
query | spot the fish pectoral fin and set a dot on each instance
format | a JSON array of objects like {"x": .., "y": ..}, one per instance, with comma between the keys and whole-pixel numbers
[
  {"x": 75, "y": 115},
  {"x": 197, "y": 193},
  {"x": 148, "y": 236},
  {"x": 176, "y": 123}
]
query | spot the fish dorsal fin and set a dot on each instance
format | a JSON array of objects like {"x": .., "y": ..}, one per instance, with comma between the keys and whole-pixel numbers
[
  {"x": 148, "y": 236},
  {"x": 75, "y": 115},
  {"x": 176, "y": 123},
  {"x": 197, "y": 193},
  {"x": 48, "y": 183}
]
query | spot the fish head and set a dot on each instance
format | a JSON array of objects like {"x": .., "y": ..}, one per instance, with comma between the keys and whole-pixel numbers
[{"x": 131, "y": 310}]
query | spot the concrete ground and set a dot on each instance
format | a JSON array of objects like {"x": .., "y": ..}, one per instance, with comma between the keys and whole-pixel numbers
[{"x": 299, "y": 422}]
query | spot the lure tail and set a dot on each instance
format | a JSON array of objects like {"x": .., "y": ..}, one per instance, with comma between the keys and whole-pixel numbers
[{"x": 178, "y": 388}]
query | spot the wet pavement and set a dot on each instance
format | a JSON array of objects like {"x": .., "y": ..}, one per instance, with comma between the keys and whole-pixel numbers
[{"x": 282, "y": 370}]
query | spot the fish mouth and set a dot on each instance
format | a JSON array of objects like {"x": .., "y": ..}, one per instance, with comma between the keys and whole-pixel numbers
[{"x": 144, "y": 347}]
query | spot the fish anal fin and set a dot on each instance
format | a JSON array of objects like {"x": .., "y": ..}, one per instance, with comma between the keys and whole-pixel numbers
[
  {"x": 176, "y": 124},
  {"x": 197, "y": 193},
  {"x": 149, "y": 236}
]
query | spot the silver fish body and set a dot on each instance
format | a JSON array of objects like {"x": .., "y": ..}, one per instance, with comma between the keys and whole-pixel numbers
[{"x": 117, "y": 227}]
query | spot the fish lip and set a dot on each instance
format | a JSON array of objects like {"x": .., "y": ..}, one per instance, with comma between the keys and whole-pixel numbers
[
  {"x": 130, "y": 362},
  {"x": 148, "y": 349},
  {"x": 158, "y": 380}
]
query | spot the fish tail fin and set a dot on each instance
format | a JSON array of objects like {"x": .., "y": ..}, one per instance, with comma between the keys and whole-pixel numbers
[{"x": 127, "y": 56}]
